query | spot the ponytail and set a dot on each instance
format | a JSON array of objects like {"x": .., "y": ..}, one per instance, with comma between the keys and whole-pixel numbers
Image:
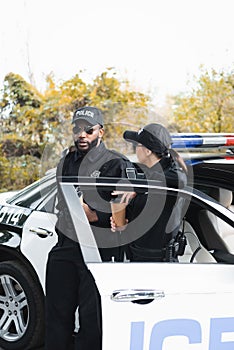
[{"x": 175, "y": 155}]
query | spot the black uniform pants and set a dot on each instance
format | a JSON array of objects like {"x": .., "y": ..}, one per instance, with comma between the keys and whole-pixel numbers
[{"x": 70, "y": 284}]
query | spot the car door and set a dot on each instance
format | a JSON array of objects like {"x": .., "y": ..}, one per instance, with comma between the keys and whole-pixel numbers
[
  {"x": 38, "y": 236},
  {"x": 159, "y": 306},
  {"x": 166, "y": 306}
]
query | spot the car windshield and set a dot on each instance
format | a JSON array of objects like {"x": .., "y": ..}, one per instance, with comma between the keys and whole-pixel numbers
[{"x": 32, "y": 195}]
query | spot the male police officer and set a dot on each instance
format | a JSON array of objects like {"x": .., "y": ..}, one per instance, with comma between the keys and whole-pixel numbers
[{"x": 69, "y": 283}]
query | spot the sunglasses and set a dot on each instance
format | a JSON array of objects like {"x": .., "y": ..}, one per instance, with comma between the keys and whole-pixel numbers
[{"x": 87, "y": 129}]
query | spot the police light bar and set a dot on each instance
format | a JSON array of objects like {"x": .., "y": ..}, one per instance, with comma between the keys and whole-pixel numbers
[{"x": 203, "y": 140}]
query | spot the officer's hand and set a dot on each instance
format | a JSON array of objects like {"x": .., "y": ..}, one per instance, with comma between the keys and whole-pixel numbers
[
  {"x": 114, "y": 228},
  {"x": 125, "y": 196},
  {"x": 91, "y": 214}
]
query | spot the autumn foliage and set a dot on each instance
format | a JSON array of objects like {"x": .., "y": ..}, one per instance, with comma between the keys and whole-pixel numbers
[{"x": 36, "y": 127}]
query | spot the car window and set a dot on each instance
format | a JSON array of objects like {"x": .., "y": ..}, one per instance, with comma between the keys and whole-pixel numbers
[
  {"x": 49, "y": 203},
  {"x": 214, "y": 233},
  {"x": 33, "y": 195},
  {"x": 208, "y": 227},
  {"x": 226, "y": 232},
  {"x": 223, "y": 195}
]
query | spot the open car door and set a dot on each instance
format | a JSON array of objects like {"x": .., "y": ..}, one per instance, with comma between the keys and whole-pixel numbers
[
  {"x": 158, "y": 306},
  {"x": 166, "y": 306}
]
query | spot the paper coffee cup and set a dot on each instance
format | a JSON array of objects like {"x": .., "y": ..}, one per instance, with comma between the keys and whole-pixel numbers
[{"x": 118, "y": 213}]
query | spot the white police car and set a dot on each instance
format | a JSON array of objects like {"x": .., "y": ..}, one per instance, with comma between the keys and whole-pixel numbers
[{"x": 145, "y": 306}]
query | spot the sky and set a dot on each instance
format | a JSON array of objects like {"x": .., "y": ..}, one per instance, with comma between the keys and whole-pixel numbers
[{"x": 158, "y": 45}]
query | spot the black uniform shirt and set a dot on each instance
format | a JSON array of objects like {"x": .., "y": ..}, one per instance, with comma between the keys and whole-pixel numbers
[
  {"x": 154, "y": 217},
  {"x": 98, "y": 162}
]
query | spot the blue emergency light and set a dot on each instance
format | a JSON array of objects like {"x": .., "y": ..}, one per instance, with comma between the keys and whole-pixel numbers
[{"x": 203, "y": 140}]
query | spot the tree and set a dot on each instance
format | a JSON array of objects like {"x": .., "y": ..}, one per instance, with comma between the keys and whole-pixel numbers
[
  {"x": 209, "y": 107},
  {"x": 38, "y": 125},
  {"x": 18, "y": 104},
  {"x": 122, "y": 106}
]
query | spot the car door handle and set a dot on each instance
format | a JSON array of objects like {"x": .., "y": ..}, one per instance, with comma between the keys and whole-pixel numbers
[
  {"x": 41, "y": 231},
  {"x": 137, "y": 295}
]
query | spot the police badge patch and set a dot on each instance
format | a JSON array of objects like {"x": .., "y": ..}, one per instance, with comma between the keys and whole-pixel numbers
[{"x": 95, "y": 173}]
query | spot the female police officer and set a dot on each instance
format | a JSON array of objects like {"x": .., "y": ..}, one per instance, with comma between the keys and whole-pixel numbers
[
  {"x": 154, "y": 219},
  {"x": 69, "y": 283}
]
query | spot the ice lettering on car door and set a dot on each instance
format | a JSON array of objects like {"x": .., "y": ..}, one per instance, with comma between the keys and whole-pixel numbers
[
  {"x": 221, "y": 333},
  {"x": 161, "y": 330}
]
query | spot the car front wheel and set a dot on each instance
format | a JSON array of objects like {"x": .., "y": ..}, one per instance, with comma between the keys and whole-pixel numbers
[{"x": 21, "y": 308}]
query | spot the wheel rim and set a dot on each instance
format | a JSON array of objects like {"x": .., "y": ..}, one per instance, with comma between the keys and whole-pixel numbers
[{"x": 14, "y": 309}]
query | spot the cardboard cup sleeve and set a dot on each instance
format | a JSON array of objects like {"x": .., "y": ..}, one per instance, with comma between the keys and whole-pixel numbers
[{"x": 118, "y": 212}]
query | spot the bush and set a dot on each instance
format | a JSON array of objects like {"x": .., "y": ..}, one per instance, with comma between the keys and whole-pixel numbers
[{"x": 18, "y": 172}]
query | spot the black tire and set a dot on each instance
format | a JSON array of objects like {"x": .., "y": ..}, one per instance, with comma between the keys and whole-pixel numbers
[{"x": 21, "y": 308}]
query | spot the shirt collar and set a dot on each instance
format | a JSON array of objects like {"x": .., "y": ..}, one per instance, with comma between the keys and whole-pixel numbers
[{"x": 93, "y": 155}]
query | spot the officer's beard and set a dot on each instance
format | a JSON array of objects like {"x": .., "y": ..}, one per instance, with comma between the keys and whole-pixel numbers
[{"x": 90, "y": 145}]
